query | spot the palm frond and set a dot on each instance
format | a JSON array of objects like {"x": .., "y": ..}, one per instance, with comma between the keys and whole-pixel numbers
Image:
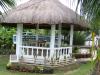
[
  {"x": 5, "y": 4},
  {"x": 90, "y": 8}
]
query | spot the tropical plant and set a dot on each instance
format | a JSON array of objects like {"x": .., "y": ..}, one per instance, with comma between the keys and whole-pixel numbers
[
  {"x": 79, "y": 38},
  {"x": 95, "y": 24},
  {"x": 90, "y": 8}
]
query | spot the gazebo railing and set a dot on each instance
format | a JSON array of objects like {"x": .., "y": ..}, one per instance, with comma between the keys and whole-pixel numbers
[
  {"x": 41, "y": 52},
  {"x": 35, "y": 51},
  {"x": 62, "y": 52}
]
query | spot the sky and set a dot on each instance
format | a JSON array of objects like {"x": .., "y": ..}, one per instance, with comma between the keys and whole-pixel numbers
[{"x": 69, "y": 3}]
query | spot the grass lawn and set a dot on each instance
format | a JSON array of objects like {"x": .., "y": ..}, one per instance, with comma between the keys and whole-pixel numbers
[{"x": 83, "y": 70}]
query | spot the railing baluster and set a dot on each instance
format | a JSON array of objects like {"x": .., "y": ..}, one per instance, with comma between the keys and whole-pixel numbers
[
  {"x": 56, "y": 52},
  {"x": 42, "y": 53},
  {"x": 27, "y": 51},
  {"x": 32, "y": 52},
  {"x": 47, "y": 53},
  {"x": 59, "y": 52},
  {"x": 37, "y": 52},
  {"x": 66, "y": 51},
  {"x": 22, "y": 51}
]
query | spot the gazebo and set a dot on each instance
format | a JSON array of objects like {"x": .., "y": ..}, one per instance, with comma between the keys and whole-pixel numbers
[{"x": 43, "y": 14}]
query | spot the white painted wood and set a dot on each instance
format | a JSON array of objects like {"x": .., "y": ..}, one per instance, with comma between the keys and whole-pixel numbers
[
  {"x": 71, "y": 38},
  {"x": 58, "y": 53},
  {"x": 19, "y": 40},
  {"x": 52, "y": 40},
  {"x": 47, "y": 54},
  {"x": 37, "y": 51},
  {"x": 37, "y": 28},
  {"x": 42, "y": 53},
  {"x": 71, "y": 35},
  {"x": 32, "y": 51},
  {"x": 44, "y": 48},
  {"x": 59, "y": 35}
]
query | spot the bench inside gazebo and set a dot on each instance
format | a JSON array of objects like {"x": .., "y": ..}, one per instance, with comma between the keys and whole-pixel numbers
[{"x": 38, "y": 14}]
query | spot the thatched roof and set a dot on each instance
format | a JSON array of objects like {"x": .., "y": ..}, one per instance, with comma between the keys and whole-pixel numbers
[{"x": 43, "y": 12}]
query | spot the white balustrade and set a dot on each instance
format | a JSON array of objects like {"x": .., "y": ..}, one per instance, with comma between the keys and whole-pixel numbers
[
  {"x": 42, "y": 53},
  {"x": 62, "y": 52},
  {"x": 35, "y": 51},
  {"x": 45, "y": 52}
]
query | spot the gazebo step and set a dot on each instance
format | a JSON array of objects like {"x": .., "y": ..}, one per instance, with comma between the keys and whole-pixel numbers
[
  {"x": 37, "y": 61},
  {"x": 27, "y": 60}
]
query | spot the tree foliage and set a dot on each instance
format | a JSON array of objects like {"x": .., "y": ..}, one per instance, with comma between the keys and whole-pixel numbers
[
  {"x": 95, "y": 23},
  {"x": 90, "y": 8},
  {"x": 6, "y": 40}
]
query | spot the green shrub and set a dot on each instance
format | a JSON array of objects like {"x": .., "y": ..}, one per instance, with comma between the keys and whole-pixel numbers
[
  {"x": 27, "y": 68},
  {"x": 36, "y": 69},
  {"x": 48, "y": 70},
  {"x": 8, "y": 66},
  {"x": 75, "y": 49},
  {"x": 23, "y": 69}
]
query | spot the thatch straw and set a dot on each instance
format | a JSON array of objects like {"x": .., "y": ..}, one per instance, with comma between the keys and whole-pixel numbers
[{"x": 43, "y": 12}]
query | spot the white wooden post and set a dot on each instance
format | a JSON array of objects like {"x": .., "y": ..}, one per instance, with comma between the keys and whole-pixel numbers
[
  {"x": 19, "y": 40},
  {"x": 42, "y": 53},
  {"x": 59, "y": 35},
  {"x": 32, "y": 52},
  {"x": 27, "y": 51},
  {"x": 47, "y": 54},
  {"x": 71, "y": 37},
  {"x": 52, "y": 40},
  {"x": 37, "y": 52},
  {"x": 37, "y": 28}
]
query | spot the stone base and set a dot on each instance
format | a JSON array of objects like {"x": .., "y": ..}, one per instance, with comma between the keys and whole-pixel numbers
[{"x": 23, "y": 67}]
